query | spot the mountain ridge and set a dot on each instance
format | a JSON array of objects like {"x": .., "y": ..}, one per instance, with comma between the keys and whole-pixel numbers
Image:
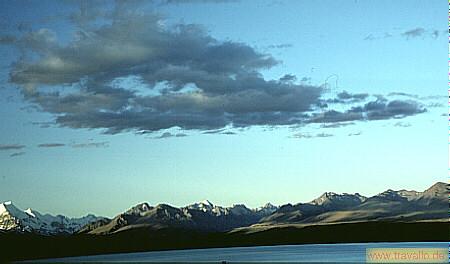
[
  {"x": 205, "y": 216},
  {"x": 29, "y": 220}
]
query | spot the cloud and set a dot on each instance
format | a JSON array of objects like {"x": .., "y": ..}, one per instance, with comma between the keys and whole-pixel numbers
[
  {"x": 11, "y": 147},
  {"x": 370, "y": 37},
  {"x": 308, "y": 136},
  {"x": 407, "y": 34},
  {"x": 16, "y": 154},
  {"x": 166, "y": 135},
  {"x": 402, "y": 124},
  {"x": 414, "y": 33},
  {"x": 215, "y": 131},
  {"x": 288, "y": 78},
  {"x": 103, "y": 144},
  {"x": 43, "y": 124},
  {"x": 355, "y": 134},
  {"x": 280, "y": 46},
  {"x": 226, "y": 85},
  {"x": 435, "y": 104},
  {"x": 418, "y": 97},
  {"x": 185, "y": 78},
  {"x": 302, "y": 135},
  {"x": 169, "y": 135},
  {"x": 336, "y": 125},
  {"x": 324, "y": 135},
  {"x": 196, "y": 1},
  {"x": 51, "y": 145},
  {"x": 380, "y": 109},
  {"x": 345, "y": 97},
  {"x": 435, "y": 34},
  {"x": 229, "y": 133},
  {"x": 404, "y": 94}
]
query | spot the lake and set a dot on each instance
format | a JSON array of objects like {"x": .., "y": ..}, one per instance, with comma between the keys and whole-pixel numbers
[{"x": 355, "y": 252}]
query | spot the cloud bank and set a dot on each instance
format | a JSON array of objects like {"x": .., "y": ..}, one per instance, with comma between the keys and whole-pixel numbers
[{"x": 184, "y": 78}]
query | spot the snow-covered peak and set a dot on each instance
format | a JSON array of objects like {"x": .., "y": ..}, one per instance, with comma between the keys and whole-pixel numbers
[
  {"x": 139, "y": 208},
  {"x": 206, "y": 203},
  {"x": 269, "y": 205},
  {"x": 3, "y": 207},
  {"x": 205, "y": 206},
  {"x": 409, "y": 195},
  {"x": 330, "y": 198},
  {"x": 9, "y": 208},
  {"x": 30, "y": 212},
  {"x": 268, "y": 208},
  {"x": 13, "y": 218}
]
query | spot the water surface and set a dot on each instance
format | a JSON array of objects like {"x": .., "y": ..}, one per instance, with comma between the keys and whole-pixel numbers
[{"x": 318, "y": 253}]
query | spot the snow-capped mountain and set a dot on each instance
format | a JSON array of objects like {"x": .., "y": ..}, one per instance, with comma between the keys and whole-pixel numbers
[
  {"x": 335, "y": 201},
  {"x": 208, "y": 207},
  {"x": 267, "y": 209},
  {"x": 14, "y": 219},
  {"x": 203, "y": 216}
]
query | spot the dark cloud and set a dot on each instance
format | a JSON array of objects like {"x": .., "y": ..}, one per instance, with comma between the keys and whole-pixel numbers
[
  {"x": 226, "y": 86},
  {"x": 11, "y": 147},
  {"x": 103, "y": 144},
  {"x": 305, "y": 79},
  {"x": 288, "y": 78},
  {"x": 185, "y": 78},
  {"x": 16, "y": 154},
  {"x": 51, "y": 145},
  {"x": 345, "y": 97},
  {"x": 375, "y": 110}
]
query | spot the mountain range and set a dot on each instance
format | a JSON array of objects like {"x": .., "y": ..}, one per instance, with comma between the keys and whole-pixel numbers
[
  {"x": 329, "y": 208},
  {"x": 14, "y": 219}
]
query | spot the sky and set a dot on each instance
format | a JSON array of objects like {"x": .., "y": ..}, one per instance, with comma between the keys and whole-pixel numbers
[{"x": 107, "y": 104}]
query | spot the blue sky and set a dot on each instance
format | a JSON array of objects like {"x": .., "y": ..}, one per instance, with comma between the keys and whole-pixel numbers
[{"x": 241, "y": 102}]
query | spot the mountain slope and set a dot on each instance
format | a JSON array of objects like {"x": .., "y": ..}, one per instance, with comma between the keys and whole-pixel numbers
[
  {"x": 202, "y": 216},
  {"x": 403, "y": 205}
]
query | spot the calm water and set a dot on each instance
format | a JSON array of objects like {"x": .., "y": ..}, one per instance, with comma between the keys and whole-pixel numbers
[{"x": 293, "y": 253}]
